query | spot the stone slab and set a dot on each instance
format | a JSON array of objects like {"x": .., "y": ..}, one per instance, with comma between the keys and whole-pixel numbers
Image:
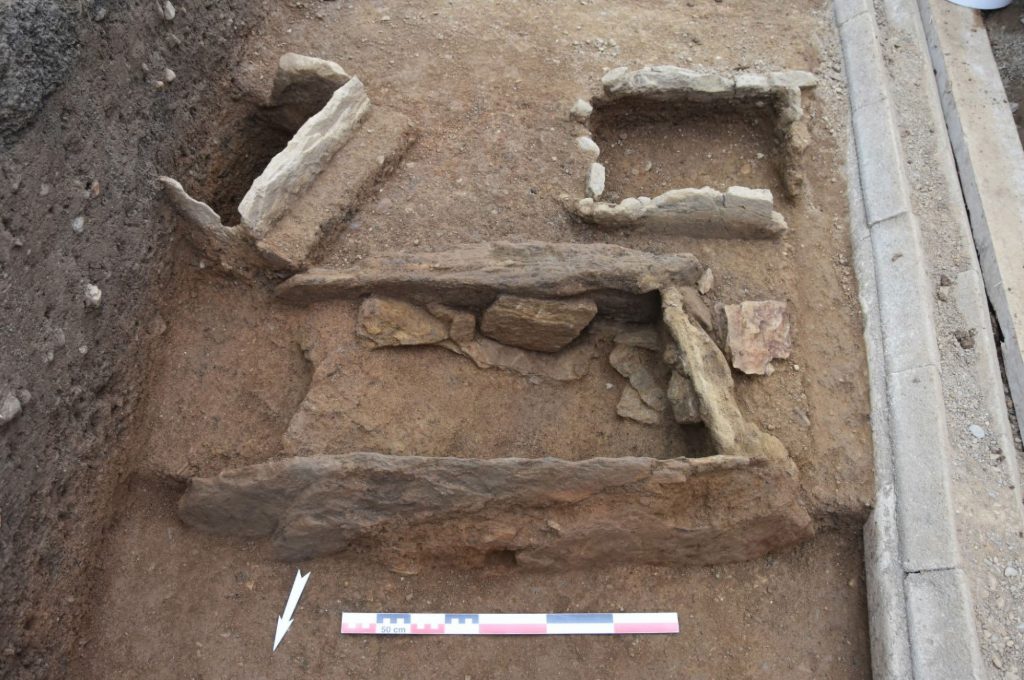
[
  {"x": 921, "y": 460},
  {"x": 623, "y": 282},
  {"x": 346, "y": 181},
  {"x": 944, "y": 639},
  {"x": 739, "y": 212},
  {"x": 546, "y": 512},
  {"x": 292, "y": 170}
]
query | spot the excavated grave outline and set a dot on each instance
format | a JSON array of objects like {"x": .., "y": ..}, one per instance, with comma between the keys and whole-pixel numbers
[
  {"x": 739, "y": 212},
  {"x": 267, "y": 239},
  {"x": 737, "y": 504}
]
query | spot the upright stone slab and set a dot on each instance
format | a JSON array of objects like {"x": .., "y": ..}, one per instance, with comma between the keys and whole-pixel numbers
[
  {"x": 291, "y": 171},
  {"x": 538, "y": 325}
]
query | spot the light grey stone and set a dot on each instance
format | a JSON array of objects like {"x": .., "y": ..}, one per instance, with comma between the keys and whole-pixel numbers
[
  {"x": 666, "y": 83},
  {"x": 293, "y": 169},
  {"x": 93, "y": 295},
  {"x": 887, "y": 612},
  {"x": 865, "y": 68},
  {"x": 588, "y": 146},
  {"x": 302, "y": 86},
  {"x": 595, "y": 181},
  {"x": 941, "y": 623},
  {"x": 904, "y": 295},
  {"x": 581, "y": 111},
  {"x": 921, "y": 462},
  {"x": 10, "y": 408},
  {"x": 701, "y": 213},
  {"x": 883, "y": 182}
]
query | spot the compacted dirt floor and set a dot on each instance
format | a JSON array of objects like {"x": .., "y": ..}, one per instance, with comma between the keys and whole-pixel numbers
[{"x": 232, "y": 383}]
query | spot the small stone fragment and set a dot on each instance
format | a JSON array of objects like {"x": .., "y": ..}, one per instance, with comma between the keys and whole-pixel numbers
[
  {"x": 757, "y": 332},
  {"x": 169, "y": 75},
  {"x": 965, "y": 337},
  {"x": 683, "y": 399},
  {"x": 588, "y": 146},
  {"x": 706, "y": 282},
  {"x": 78, "y": 224},
  {"x": 461, "y": 324},
  {"x": 534, "y": 324},
  {"x": 389, "y": 323},
  {"x": 93, "y": 295},
  {"x": 167, "y": 10},
  {"x": 976, "y": 431},
  {"x": 631, "y": 406},
  {"x": 632, "y": 364},
  {"x": 581, "y": 111},
  {"x": 10, "y": 408}
]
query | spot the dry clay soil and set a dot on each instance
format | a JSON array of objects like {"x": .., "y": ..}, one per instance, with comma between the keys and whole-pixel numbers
[{"x": 489, "y": 87}]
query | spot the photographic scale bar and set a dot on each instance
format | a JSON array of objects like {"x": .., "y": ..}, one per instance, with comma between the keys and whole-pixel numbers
[{"x": 377, "y": 623}]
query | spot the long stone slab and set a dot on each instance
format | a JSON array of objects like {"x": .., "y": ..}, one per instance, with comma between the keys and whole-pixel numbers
[
  {"x": 335, "y": 194},
  {"x": 739, "y": 212},
  {"x": 990, "y": 160},
  {"x": 623, "y": 282},
  {"x": 545, "y": 512},
  {"x": 292, "y": 170}
]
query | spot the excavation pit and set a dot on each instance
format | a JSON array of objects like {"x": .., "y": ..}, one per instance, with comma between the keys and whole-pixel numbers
[{"x": 650, "y": 148}]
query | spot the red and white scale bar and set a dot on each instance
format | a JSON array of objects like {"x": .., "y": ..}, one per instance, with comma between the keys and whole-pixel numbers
[{"x": 378, "y": 623}]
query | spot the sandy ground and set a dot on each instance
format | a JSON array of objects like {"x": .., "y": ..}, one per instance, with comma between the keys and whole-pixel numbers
[{"x": 490, "y": 87}]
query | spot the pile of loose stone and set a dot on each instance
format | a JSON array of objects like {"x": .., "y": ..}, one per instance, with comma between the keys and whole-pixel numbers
[{"x": 739, "y": 212}]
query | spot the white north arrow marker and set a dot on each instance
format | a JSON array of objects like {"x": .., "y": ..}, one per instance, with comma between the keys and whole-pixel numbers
[{"x": 284, "y": 622}]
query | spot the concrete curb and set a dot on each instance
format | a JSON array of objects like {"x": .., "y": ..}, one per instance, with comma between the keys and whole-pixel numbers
[{"x": 919, "y": 608}]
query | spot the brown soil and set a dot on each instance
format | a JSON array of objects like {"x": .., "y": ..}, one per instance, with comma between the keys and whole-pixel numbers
[{"x": 490, "y": 88}]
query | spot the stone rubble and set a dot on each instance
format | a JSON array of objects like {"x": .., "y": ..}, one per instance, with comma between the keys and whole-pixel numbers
[
  {"x": 389, "y": 323},
  {"x": 581, "y": 111},
  {"x": 534, "y": 324},
  {"x": 757, "y": 332}
]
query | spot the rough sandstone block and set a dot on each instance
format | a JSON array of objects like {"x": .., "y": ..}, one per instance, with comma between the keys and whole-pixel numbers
[
  {"x": 389, "y": 322},
  {"x": 622, "y": 282},
  {"x": 548, "y": 512},
  {"x": 538, "y": 325}
]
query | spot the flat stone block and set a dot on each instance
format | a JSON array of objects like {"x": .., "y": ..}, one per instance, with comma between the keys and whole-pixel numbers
[
  {"x": 880, "y": 159},
  {"x": 887, "y": 614},
  {"x": 904, "y": 295},
  {"x": 346, "y": 181},
  {"x": 920, "y": 449},
  {"x": 847, "y": 9},
  {"x": 941, "y": 622},
  {"x": 862, "y": 57}
]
